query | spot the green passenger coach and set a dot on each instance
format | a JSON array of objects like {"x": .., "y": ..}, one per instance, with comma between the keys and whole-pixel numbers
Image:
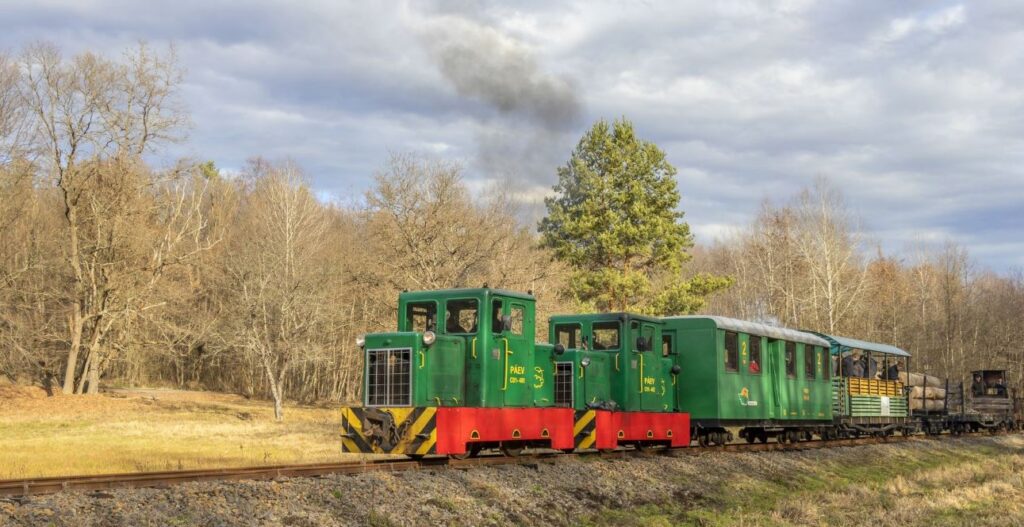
[{"x": 770, "y": 381}]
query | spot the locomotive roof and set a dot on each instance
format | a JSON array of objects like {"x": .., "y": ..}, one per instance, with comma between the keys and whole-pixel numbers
[
  {"x": 847, "y": 344},
  {"x": 755, "y": 328},
  {"x": 467, "y": 291}
]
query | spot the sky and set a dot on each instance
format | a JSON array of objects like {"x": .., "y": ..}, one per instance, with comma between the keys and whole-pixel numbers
[{"x": 914, "y": 110}]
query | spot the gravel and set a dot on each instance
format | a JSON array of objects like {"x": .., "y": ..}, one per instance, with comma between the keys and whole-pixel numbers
[{"x": 563, "y": 492}]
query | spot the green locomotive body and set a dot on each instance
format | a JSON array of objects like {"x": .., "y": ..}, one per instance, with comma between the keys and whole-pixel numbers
[
  {"x": 461, "y": 373},
  {"x": 617, "y": 361},
  {"x": 612, "y": 372}
]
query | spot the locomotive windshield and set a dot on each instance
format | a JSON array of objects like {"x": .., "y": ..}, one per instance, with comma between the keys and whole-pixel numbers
[
  {"x": 462, "y": 316},
  {"x": 421, "y": 316},
  {"x": 606, "y": 335}
]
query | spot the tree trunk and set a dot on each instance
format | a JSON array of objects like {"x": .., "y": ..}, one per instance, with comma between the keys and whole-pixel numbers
[
  {"x": 275, "y": 389},
  {"x": 85, "y": 374},
  {"x": 94, "y": 374},
  {"x": 75, "y": 327}
]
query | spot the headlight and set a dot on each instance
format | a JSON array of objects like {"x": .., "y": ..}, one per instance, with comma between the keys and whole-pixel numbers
[
  {"x": 585, "y": 362},
  {"x": 428, "y": 338},
  {"x": 361, "y": 341}
]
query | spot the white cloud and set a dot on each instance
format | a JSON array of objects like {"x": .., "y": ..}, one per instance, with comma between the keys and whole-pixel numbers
[{"x": 912, "y": 109}]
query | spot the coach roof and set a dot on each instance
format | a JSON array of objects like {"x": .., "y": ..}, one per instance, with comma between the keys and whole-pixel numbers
[{"x": 754, "y": 328}]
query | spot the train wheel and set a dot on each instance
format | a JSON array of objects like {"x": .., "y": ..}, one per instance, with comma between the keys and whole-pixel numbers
[
  {"x": 702, "y": 440},
  {"x": 762, "y": 437},
  {"x": 472, "y": 451},
  {"x": 750, "y": 438},
  {"x": 512, "y": 450}
]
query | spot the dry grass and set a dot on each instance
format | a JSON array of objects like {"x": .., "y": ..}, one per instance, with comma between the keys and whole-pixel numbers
[
  {"x": 155, "y": 430},
  {"x": 964, "y": 483}
]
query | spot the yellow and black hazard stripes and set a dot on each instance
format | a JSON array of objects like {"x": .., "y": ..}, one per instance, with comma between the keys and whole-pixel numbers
[
  {"x": 584, "y": 429},
  {"x": 352, "y": 439},
  {"x": 389, "y": 430},
  {"x": 423, "y": 432}
]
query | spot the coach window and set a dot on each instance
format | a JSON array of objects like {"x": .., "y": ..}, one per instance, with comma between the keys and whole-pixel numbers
[
  {"x": 755, "y": 355},
  {"x": 809, "y": 354},
  {"x": 790, "y": 359},
  {"x": 732, "y": 351},
  {"x": 462, "y": 316},
  {"x": 823, "y": 361},
  {"x": 421, "y": 316},
  {"x": 606, "y": 335},
  {"x": 569, "y": 335}
]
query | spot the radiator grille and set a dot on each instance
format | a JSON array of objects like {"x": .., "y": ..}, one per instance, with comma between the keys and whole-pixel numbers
[
  {"x": 388, "y": 377},
  {"x": 563, "y": 384}
]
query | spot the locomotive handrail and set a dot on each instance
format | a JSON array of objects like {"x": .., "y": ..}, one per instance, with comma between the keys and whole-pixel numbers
[
  {"x": 640, "y": 385},
  {"x": 473, "y": 348},
  {"x": 507, "y": 353}
]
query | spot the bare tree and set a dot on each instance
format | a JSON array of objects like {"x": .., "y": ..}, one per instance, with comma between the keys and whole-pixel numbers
[{"x": 275, "y": 266}]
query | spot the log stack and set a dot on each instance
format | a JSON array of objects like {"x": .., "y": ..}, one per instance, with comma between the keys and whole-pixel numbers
[{"x": 926, "y": 392}]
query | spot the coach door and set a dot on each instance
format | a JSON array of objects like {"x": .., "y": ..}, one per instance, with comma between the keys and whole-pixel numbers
[{"x": 775, "y": 377}]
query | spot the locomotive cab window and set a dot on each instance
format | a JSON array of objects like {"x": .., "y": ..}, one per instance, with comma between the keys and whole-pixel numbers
[
  {"x": 666, "y": 345},
  {"x": 790, "y": 359},
  {"x": 462, "y": 316},
  {"x": 569, "y": 335},
  {"x": 496, "y": 325},
  {"x": 732, "y": 351},
  {"x": 518, "y": 319},
  {"x": 606, "y": 335},
  {"x": 421, "y": 316},
  {"x": 755, "y": 355},
  {"x": 809, "y": 356}
]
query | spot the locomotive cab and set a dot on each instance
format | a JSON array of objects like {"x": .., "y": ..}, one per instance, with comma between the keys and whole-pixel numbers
[{"x": 613, "y": 374}]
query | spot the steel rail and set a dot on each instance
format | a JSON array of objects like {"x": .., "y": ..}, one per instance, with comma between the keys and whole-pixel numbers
[{"x": 48, "y": 485}]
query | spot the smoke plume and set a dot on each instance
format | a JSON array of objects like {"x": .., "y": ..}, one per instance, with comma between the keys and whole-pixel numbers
[{"x": 527, "y": 115}]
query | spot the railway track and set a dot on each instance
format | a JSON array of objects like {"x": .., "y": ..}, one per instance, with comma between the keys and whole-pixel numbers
[{"x": 36, "y": 486}]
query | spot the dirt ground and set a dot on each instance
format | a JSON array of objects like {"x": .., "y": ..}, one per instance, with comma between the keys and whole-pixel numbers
[
  {"x": 153, "y": 429},
  {"x": 976, "y": 481}
]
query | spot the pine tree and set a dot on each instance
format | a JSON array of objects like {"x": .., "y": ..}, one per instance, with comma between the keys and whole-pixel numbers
[{"x": 615, "y": 220}]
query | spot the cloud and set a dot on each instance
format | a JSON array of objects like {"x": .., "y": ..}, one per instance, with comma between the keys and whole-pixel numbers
[{"x": 915, "y": 110}]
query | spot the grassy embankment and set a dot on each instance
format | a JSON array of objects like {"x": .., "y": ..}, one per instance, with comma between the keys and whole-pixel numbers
[
  {"x": 155, "y": 430},
  {"x": 964, "y": 484}
]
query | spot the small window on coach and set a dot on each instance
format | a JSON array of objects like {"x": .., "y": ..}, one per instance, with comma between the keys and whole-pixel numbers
[
  {"x": 570, "y": 336},
  {"x": 823, "y": 362},
  {"x": 755, "y": 355},
  {"x": 462, "y": 316},
  {"x": 421, "y": 316},
  {"x": 732, "y": 351},
  {"x": 809, "y": 354},
  {"x": 790, "y": 359},
  {"x": 607, "y": 335}
]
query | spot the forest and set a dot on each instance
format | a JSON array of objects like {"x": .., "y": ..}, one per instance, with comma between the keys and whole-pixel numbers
[{"x": 119, "y": 268}]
